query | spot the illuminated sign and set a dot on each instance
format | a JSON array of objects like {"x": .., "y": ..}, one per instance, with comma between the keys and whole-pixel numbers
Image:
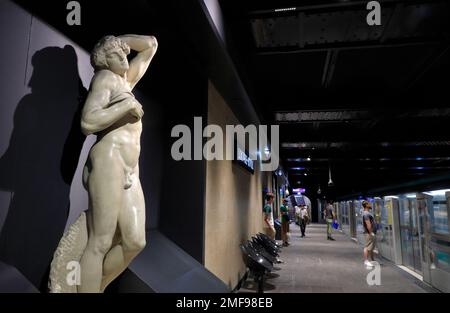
[{"x": 244, "y": 160}]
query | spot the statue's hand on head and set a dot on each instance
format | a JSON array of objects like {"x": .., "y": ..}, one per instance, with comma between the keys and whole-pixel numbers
[
  {"x": 146, "y": 47},
  {"x": 154, "y": 42}
]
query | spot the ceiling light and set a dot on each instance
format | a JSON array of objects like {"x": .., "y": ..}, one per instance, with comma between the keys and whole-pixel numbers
[
  {"x": 285, "y": 9},
  {"x": 438, "y": 192},
  {"x": 330, "y": 182},
  {"x": 394, "y": 197}
]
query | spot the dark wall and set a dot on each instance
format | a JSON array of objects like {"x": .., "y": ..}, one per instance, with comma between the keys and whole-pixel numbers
[
  {"x": 181, "y": 216},
  {"x": 183, "y": 186},
  {"x": 151, "y": 159}
]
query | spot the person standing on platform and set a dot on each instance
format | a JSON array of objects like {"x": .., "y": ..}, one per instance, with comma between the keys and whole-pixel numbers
[
  {"x": 268, "y": 216},
  {"x": 304, "y": 219},
  {"x": 369, "y": 233},
  {"x": 285, "y": 223},
  {"x": 297, "y": 215},
  {"x": 330, "y": 218}
]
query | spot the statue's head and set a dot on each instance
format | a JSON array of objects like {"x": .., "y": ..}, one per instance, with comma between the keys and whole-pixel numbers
[{"x": 110, "y": 53}]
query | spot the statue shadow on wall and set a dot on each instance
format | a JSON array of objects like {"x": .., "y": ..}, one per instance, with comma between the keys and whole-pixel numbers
[{"x": 40, "y": 162}]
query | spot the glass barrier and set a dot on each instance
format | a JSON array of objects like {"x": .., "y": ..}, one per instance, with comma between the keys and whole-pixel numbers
[{"x": 439, "y": 231}]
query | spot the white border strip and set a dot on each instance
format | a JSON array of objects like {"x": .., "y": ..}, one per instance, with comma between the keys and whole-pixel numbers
[{"x": 418, "y": 276}]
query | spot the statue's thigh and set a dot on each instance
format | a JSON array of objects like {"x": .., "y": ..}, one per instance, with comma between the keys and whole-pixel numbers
[
  {"x": 106, "y": 196},
  {"x": 132, "y": 215}
]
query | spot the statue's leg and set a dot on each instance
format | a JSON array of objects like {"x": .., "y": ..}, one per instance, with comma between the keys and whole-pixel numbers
[
  {"x": 131, "y": 223},
  {"x": 105, "y": 196}
]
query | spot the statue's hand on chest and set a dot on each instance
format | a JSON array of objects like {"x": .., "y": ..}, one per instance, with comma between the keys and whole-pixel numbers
[{"x": 136, "y": 109}]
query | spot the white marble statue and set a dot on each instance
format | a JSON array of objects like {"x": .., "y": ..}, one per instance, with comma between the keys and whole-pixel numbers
[{"x": 116, "y": 216}]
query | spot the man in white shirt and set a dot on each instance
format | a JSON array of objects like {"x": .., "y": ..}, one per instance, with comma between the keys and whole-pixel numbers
[
  {"x": 268, "y": 216},
  {"x": 304, "y": 219}
]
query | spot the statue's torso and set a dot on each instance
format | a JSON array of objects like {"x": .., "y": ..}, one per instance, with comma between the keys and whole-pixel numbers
[{"x": 123, "y": 136}]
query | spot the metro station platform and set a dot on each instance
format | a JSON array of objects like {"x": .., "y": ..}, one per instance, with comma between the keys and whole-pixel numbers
[{"x": 314, "y": 264}]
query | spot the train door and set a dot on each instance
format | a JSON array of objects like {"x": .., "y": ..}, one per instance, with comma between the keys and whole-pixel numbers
[
  {"x": 352, "y": 220},
  {"x": 384, "y": 229},
  {"x": 434, "y": 215},
  {"x": 409, "y": 233}
]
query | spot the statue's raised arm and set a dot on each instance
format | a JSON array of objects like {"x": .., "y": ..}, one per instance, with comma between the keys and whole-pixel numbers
[{"x": 146, "y": 47}]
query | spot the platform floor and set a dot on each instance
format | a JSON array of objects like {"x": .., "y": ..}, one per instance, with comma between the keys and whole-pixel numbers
[{"x": 314, "y": 264}]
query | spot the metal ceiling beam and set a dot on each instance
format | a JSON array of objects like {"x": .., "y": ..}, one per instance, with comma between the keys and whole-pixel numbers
[
  {"x": 327, "y": 6},
  {"x": 344, "y": 47},
  {"x": 309, "y": 116},
  {"x": 328, "y": 68},
  {"x": 359, "y": 151},
  {"x": 304, "y": 162},
  {"x": 341, "y": 144},
  {"x": 428, "y": 65}
]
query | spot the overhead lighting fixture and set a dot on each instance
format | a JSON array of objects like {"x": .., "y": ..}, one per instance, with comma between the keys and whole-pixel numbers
[
  {"x": 285, "y": 9},
  {"x": 308, "y": 159},
  {"x": 330, "y": 181},
  {"x": 392, "y": 197},
  {"x": 437, "y": 192}
]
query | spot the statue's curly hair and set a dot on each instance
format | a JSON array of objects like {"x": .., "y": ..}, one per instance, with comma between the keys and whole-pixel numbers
[{"x": 101, "y": 49}]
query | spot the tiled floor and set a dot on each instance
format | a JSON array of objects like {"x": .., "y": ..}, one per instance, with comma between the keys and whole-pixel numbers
[{"x": 314, "y": 264}]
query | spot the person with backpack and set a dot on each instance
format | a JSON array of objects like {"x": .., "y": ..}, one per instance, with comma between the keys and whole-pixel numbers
[{"x": 330, "y": 217}]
